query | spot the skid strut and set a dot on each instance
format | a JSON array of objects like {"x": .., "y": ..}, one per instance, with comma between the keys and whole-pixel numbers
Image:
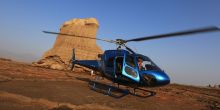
[{"x": 108, "y": 89}]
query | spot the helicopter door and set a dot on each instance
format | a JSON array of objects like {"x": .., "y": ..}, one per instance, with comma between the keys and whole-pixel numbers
[
  {"x": 130, "y": 68},
  {"x": 118, "y": 65}
]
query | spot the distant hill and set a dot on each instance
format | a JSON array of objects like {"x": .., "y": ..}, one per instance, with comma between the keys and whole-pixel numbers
[{"x": 24, "y": 57}]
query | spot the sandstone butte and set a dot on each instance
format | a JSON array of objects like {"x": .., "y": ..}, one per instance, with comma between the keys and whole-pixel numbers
[{"x": 60, "y": 55}]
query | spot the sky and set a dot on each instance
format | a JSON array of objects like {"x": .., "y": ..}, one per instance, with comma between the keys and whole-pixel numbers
[{"x": 191, "y": 60}]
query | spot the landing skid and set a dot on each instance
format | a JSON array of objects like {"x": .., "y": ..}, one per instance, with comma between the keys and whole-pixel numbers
[
  {"x": 109, "y": 90},
  {"x": 139, "y": 92},
  {"x": 113, "y": 91}
]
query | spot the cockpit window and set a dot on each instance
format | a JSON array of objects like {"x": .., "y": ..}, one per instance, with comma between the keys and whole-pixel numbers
[
  {"x": 147, "y": 64},
  {"x": 140, "y": 64}
]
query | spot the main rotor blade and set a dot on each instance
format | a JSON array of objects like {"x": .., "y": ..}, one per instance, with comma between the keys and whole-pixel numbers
[
  {"x": 110, "y": 41},
  {"x": 129, "y": 49},
  {"x": 176, "y": 34}
]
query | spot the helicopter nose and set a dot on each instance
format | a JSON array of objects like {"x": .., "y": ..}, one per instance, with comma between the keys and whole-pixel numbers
[
  {"x": 162, "y": 78},
  {"x": 158, "y": 78}
]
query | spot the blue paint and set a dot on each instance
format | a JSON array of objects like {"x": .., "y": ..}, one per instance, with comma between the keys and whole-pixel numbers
[
  {"x": 161, "y": 77},
  {"x": 130, "y": 71}
]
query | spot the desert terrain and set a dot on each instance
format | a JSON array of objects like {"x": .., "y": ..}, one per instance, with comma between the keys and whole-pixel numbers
[{"x": 26, "y": 87}]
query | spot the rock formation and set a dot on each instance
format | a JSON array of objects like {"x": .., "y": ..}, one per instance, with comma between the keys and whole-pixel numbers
[{"x": 85, "y": 49}]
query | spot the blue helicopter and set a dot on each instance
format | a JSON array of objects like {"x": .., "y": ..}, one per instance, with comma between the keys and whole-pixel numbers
[{"x": 125, "y": 67}]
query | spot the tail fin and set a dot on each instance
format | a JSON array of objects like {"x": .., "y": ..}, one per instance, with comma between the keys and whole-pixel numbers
[{"x": 73, "y": 59}]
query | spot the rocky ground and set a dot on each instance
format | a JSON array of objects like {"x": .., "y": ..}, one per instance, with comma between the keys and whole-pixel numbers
[{"x": 23, "y": 86}]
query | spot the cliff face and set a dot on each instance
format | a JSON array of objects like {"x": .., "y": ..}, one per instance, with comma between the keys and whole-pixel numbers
[{"x": 85, "y": 49}]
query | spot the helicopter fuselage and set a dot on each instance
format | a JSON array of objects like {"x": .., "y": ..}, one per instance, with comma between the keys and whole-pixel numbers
[{"x": 122, "y": 67}]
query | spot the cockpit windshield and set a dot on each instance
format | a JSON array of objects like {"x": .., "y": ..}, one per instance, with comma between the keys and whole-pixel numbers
[{"x": 146, "y": 63}]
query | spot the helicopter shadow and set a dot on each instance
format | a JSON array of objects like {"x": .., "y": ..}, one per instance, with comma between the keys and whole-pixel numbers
[{"x": 115, "y": 91}]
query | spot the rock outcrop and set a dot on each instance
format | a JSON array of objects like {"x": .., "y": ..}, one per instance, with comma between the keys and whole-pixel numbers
[{"x": 85, "y": 49}]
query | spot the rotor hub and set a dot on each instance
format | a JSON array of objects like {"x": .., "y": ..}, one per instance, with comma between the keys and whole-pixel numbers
[{"x": 120, "y": 42}]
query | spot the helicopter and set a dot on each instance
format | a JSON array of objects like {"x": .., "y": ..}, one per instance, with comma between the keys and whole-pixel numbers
[{"x": 125, "y": 67}]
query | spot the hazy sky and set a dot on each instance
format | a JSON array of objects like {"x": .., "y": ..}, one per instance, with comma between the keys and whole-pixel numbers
[{"x": 190, "y": 60}]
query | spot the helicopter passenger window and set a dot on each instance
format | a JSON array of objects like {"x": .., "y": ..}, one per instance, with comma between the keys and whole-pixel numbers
[
  {"x": 119, "y": 65},
  {"x": 110, "y": 62},
  {"x": 130, "y": 60}
]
